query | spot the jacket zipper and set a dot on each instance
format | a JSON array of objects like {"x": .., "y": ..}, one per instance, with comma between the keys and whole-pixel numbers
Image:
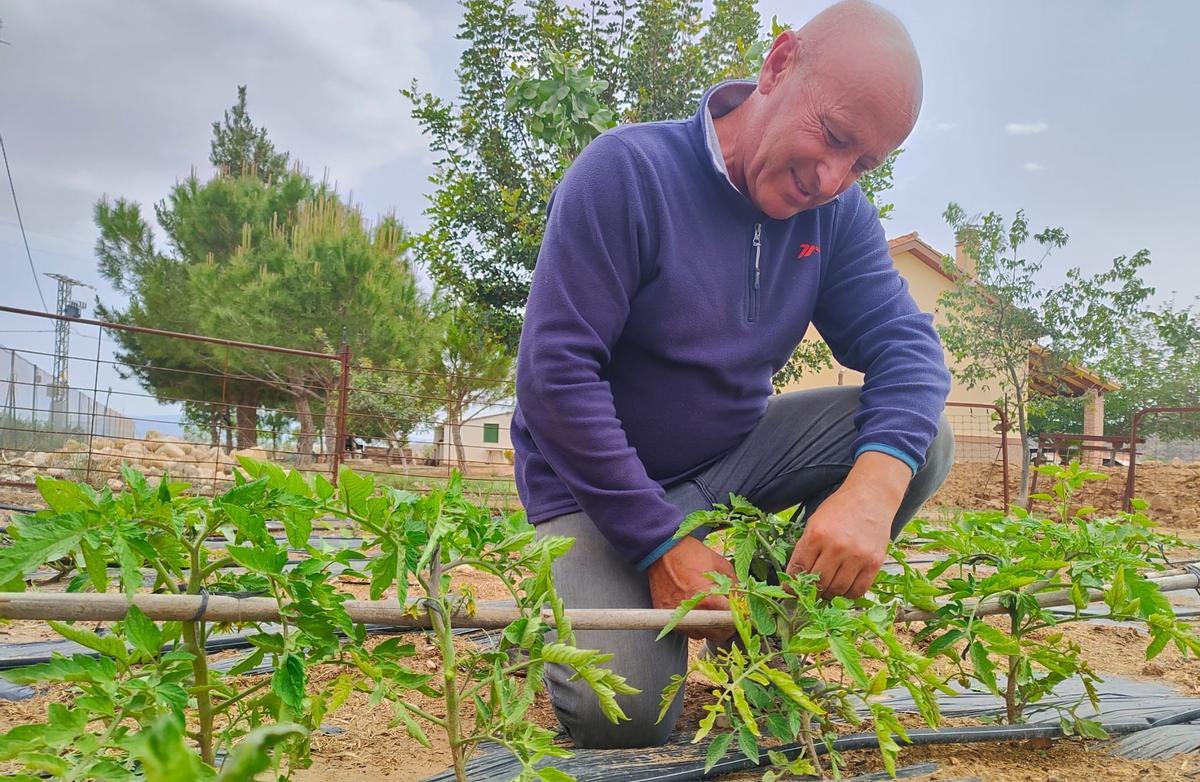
[{"x": 756, "y": 274}]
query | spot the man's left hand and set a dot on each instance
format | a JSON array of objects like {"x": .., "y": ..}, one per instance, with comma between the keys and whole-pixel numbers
[{"x": 845, "y": 540}]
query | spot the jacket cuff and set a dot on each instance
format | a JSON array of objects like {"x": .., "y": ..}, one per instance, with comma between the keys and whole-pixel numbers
[
  {"x": 890, "y": 451},
  {"x": 656, "y": 554}
]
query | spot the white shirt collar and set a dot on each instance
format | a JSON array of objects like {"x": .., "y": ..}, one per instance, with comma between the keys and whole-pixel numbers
[{"x": 722, "y": 100}]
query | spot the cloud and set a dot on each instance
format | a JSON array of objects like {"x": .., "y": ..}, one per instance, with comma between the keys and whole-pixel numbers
[
  {"x": 1033, "y": 167},
  {"x": 1025, "y": 128},
  {"x": 944, "y": 127}
]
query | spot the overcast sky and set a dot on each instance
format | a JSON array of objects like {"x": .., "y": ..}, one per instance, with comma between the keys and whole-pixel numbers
[{"x": 1084, "y": 113}]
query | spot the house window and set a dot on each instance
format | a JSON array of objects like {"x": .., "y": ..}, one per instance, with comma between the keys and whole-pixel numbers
[{"x": 491, "y": 433}]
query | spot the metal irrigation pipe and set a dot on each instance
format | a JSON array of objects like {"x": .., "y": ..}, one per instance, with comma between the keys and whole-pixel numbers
[{"x": 221, "y": 608}]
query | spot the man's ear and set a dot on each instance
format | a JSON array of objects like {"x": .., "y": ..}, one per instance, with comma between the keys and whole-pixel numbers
[{"x": 779, "y": 60}]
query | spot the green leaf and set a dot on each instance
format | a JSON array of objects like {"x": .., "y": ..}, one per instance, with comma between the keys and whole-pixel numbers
[
  {"x": 323, "y": 487},
  {"x": 717, "y": 749},
  {"x": 847, "y": 654},
  {"x": 354, "y": 489},
  {"x": 792, "y": 690},
  {"x": 143, "y": 633},
  {"x": 252, "y": 755},
  {"x": 129, "y": 562},
  {"x": 45, "y": 763},
  {"x": 108, "y": 645},
  {"x": 410, "y": 725},
  {"x": 42, "y": 540},
  {"x": 288, "y": 681},
  {"x": 96, "y": 565},
  {"x": 747, "y": 744},
  {"x": 761, "y": 615},
  {"x": 77, "y": 668},
  {"x": 63, "y": 496},
  {"x": 551, "y": 774},
  {"x": 259, "y": 560},
  {"x": 982, "y": 666},
  {"x": 164, "y": 755}
]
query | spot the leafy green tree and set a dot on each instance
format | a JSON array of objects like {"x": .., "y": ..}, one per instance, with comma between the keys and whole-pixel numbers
[
  {"x": 388, "y": 402},
  {"x": 506, "y": 140},
  {"x": 1155, "y": 359},
  {"x": 994, "y": 319},
  {"x": 471, "y": 371}
]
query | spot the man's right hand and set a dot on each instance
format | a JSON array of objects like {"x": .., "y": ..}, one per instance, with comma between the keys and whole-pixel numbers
[{"x": 679, "y": 574}]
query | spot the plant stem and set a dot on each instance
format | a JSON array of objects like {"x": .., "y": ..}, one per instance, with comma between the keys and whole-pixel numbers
[
  {"x": 224, "y": 705},
  {"x": 439, "y": 620},
  {"x": 1010, "y": 689},
  {"x": 204, "y": 710},
  {"x": 193, "y": 638},
  {"x": 809, "y": 746}
]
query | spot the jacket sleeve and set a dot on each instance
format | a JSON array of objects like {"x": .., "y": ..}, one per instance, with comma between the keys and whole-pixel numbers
[
  {"x": 596, "y": 250},
  {"x": 872, "y": 325}
]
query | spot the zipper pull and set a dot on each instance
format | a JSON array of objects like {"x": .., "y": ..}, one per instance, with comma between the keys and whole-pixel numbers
[{"x": 757, "y": 253}]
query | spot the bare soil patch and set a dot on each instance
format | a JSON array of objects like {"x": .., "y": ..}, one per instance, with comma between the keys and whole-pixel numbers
[{"x": 1172, "y": 491}]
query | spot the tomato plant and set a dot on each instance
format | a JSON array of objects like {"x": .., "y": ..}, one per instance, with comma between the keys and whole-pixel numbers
[
  {"x": 428, "y": 537},
  {"x": 151, "y": 679},
  {"x": 158, "y": 537},
  {"x": 798, "y": 662},
  {"x": 1011, "y": 559}
]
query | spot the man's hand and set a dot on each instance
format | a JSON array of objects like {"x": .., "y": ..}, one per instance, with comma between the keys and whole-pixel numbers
[
  {"x": 845, "y": 541},
  {"x": 679, "y": 574}
]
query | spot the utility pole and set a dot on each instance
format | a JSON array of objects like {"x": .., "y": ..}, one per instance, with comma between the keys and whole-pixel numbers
[{"x": 60, "y": 388}]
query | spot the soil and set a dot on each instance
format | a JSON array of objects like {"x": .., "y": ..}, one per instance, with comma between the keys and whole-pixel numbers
[{"x": 1172, "y": 491}]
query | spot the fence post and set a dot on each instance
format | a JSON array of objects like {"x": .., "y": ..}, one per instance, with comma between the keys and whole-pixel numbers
[{"x": 335, "y": 460}]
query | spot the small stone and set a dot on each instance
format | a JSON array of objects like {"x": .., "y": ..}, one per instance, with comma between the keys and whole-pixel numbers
[{"x": 1153, "y": 669}]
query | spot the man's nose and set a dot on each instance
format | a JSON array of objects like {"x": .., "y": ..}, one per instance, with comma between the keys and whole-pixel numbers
[{"x": 832, "y": 174}]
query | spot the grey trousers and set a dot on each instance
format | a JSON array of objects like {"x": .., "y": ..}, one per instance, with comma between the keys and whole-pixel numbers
[{"x": 797, "y": 455}]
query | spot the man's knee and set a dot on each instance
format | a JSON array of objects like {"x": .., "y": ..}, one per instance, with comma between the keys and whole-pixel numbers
[
  {"x": 940, "y": 456},
  {"x": 590, "y": 729}
]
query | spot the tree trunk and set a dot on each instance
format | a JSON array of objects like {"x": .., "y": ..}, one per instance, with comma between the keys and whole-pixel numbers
[
  {"x": 305, "y": 439},
  {"x": 332, "y": 445},
  {"x": 214, "y": 426},
  {"x": 1023, "y": 434},
  {"x": 460, "y": 453},
  {"x": 247, "y": 418},
  {"x": 228, "y": 425}
]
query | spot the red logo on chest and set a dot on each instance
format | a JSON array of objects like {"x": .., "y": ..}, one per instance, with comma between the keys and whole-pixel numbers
[{"x": 807, "y": 250}]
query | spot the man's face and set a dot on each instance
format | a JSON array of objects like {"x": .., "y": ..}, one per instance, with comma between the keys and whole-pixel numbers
[{"x": 822, "y": 129}]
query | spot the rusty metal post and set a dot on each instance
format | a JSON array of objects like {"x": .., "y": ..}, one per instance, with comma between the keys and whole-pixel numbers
[
  {"x": 343, "y": 396},
  {"x": 1133, "y": 427}
]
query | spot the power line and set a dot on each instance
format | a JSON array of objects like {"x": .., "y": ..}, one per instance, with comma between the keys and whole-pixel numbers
[{"x": 21, "y": 223}]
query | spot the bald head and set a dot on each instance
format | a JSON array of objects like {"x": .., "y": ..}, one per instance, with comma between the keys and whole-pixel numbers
[
  {"x": 858, "y": 39},
  {"x": 834, "y": 98}
]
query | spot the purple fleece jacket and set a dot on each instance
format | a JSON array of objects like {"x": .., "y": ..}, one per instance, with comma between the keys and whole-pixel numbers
[{"x": 662, "y": 303}]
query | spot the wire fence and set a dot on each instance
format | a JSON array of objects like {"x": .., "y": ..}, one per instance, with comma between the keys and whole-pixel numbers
[
  {"x": 410, "y": 428},
  {"x": 214, "y": 400},
  {"x": 1164, "y": 456}
]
